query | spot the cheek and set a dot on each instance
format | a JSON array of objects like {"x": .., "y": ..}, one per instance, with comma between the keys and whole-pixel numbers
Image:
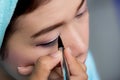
[
  {"x": 84, "y": 28},
  {"x": 19, "y": 55},
  {"x": 13, "y": 60},
  {"x": 26, "y": 56},
  {"x": 18, "y": 59},
  {"x": 84, "y": 33}
]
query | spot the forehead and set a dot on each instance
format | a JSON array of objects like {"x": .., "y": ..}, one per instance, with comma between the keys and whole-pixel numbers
[{"x": 53, "y": 12}]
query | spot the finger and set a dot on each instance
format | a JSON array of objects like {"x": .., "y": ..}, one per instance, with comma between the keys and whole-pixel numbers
[
  {"x": 82, "y": 64},
  {"x": 84, "y": 67},
  {"x": 44, "y": 65},
  {"x": 80, "y": 77},
  {"x": 75, "y": 67}
]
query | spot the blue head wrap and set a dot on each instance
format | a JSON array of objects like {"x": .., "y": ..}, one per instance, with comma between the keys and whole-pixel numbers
[{"x": 7, "y": 8}]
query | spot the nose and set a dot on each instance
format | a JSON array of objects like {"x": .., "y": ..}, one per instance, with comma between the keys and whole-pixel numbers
[{"x": 75, "y": 41}]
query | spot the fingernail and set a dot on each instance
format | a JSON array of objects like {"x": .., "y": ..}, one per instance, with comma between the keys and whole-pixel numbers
[
  {"x": 25, "y": 70},
  {"x": 19, "y": 68}
]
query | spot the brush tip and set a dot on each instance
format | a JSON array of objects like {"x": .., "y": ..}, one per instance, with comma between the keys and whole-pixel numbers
[{"x": 60, "y": 43}]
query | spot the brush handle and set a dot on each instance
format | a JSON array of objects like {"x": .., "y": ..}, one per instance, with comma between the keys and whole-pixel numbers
[{"x": 64, "y": 65}]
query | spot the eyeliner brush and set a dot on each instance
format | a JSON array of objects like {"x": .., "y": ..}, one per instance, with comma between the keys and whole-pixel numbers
[{"x": 63, "y": 62}]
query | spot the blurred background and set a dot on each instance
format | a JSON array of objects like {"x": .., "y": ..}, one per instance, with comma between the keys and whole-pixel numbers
[{"x": 105, "y": 38}]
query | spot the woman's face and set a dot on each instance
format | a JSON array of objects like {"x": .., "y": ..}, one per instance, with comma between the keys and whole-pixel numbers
[{"x": 37, "y": 34}]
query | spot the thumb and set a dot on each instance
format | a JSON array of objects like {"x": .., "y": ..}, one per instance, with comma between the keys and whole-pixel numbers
[{"x": 44, "y": 65}]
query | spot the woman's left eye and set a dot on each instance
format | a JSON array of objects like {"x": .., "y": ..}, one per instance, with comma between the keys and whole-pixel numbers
[
  {"x": 48, "y": 44},
  {"x": 79, "y": 15}
]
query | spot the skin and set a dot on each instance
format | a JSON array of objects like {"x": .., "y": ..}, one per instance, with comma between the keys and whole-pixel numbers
[{"x": 28, "y": 59}]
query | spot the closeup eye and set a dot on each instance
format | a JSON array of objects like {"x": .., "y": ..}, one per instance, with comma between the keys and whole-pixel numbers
[
  {"x": 79, "y": 15},
  {"x": 49, "y": 43}
]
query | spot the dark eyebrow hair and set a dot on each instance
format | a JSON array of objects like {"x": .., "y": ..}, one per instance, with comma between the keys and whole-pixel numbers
[{"x": 50, "y": 28}]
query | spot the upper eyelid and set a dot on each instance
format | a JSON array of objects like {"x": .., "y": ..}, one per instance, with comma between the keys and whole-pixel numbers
[
  {"x": 82, "y": 8},
  {"x": 50, "y": 41},
  {"x": 48, "y": 44},
  {"x": 82, "y": 11}
]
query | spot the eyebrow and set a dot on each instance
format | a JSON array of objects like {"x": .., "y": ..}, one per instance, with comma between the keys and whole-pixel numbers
[{"x": 50, "y": 28}]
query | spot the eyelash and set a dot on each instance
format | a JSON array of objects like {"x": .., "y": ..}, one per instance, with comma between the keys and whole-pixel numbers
[
  {"x": 80, "y": 14},
  {"x": 48, "y": 44}
]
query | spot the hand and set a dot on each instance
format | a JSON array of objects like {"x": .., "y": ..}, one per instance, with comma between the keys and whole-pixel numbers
[
  {"x": 42, "y": 68},
  {"x": 76, "y": 68},
  {"x": 45, "y": 64}
]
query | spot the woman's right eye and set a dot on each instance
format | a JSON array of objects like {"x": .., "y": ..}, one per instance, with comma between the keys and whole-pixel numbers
[{"x": 48, "y": 44}]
